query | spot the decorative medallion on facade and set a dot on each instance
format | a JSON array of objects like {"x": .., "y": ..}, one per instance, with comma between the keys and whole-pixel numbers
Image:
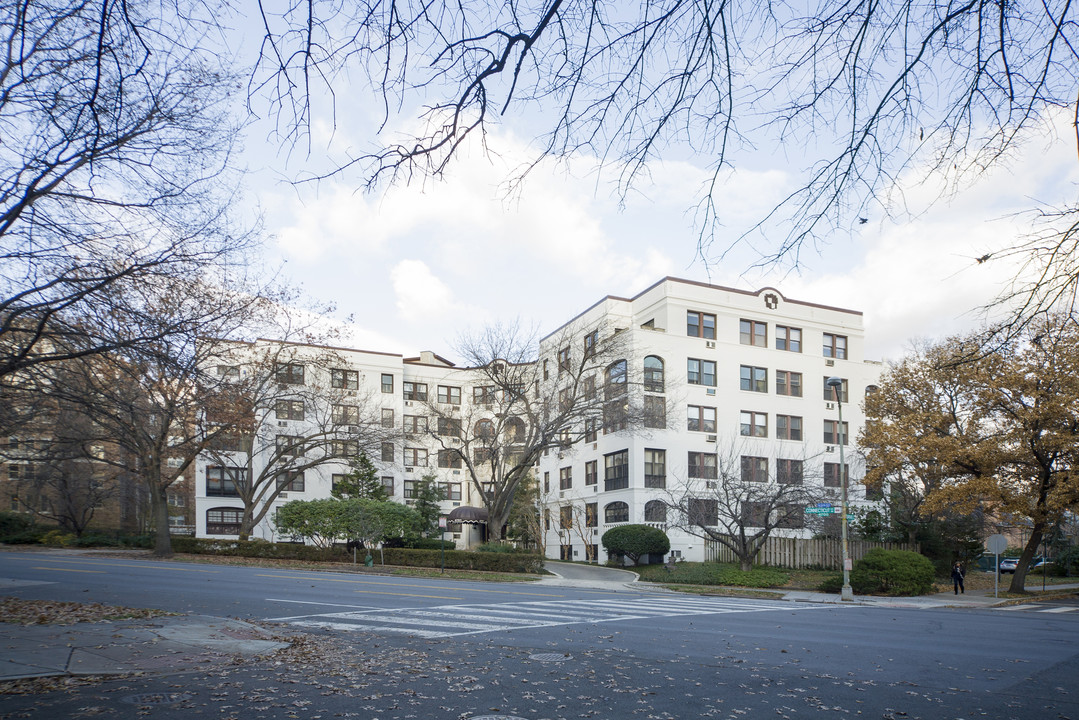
[{"x": 771, "y": 301}]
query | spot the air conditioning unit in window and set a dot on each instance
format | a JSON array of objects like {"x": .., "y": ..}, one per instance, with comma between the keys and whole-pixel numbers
[
  {"x": 829, "y": 448},
  {"x": 710, "y": 391},
  {"x": 353, "y": 429},
  {"x": 710, "y": 438},
  {"x": 710, "y": 344},
  {"x": 408, "y": 403},
  {"x": 283, "y": 495},
  {"x": 282, "y": 423},
  {"x": 456, "y": 472},
  {"x": 710, "y": 485},
  {"x": 830, "y": 363},
  {"x": 829, "y": 406},
  {"x": 408, "y": 469}
]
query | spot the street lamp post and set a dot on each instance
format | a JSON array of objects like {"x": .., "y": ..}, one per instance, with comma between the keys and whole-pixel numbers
[{"x": 837, "y": 385}]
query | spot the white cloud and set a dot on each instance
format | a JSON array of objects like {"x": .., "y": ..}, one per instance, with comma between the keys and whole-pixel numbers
[{"x": 419, "y": 293}]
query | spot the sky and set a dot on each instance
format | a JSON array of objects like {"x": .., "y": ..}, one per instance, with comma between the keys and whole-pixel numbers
[{"x": 419, "y": 265}]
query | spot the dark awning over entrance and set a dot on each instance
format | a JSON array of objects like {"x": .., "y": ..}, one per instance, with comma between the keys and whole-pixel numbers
[{"x": 468, "y": 514}]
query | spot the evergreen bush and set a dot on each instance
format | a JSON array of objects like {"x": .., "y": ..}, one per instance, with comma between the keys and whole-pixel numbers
[
  {"x": 634, "y": 541},
  {"x": 892, "y": 572}
]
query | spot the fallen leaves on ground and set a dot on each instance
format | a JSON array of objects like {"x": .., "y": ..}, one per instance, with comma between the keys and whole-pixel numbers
[{"x": 54, "y": 612}]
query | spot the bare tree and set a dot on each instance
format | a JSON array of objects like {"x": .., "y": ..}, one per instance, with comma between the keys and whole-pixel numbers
[
  {"x": 273, "y": 383},
  {"x": 857, "y": 93},
  {"x": 524, "y": 406},
  {"x": 113, "y": 174},
  {"x": 740, "y": 496}
]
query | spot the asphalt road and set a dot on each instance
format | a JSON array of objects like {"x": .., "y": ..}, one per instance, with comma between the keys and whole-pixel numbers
[{"x": 391, "y": 648}]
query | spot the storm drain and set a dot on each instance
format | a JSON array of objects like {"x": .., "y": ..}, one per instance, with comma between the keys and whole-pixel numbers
[
  {"x": 548, "y": 657},
  {"x": 157, "y": 698}
]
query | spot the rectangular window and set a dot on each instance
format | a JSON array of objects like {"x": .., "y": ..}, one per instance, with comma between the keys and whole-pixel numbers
[
  {"x": 223, "y": 481},
  {"x": 410, "y": 489},
  {"x": 449, "y": 459},
  {"x": 835, "y": 346},
  {"x": 450, "y": 491},
  {"x": 754, "y": 424},
  {"x": 655, "y": 412},
  {"x": 591, "y": 515},
  {"x": 590, "y": 341},
  {"x": 546, "y": 483},
  {"x": 289, "y": 445},
  {"x": 788, "y": 338},
  {"x": 415, "y": 424},
  {"x": 701, "y": 372},
  {"x": 590, "y": 429},
  {"x": 829, "y": 391},
  {"x": 416, "y": 457},
  {"x": 754, "y": 379},
  {"x": 788, "y": 383},
  {"x": 289, "y": 409},
  {"x": 449, "y": 427},
  {"x": 289, "y": 373},
  {"x": 703, "y": 512},
  {"x": 788, "y": 427},
  {"x": 565, "y": 517},
  {"x": 345, "y": 448},
  {"x": 486, "y": 395},
  {"x": 387, "y": 417},
  {"x": 346, "y": 415},
  {"x": 564, "y": 360},
  {"x": 415, "y": 391},
  {"x": 387, "y": 383},
  {"x": 755, "y": 514},
  {"x": 565, "y": 478},
  {"x": 832, "y": 434},
  {"x": 700, "y": 419},
  {"x": 344, "y": 379},
  {"x": 702, "y": 465},
  {"x": 614, "y": 417},
  {"x": 481, "y": 456},
  {"x": 655, "y": 468},
  {"x": 789, "y": 472},
  {"x": 753, "y": 332},
  {"x": 616, "y": 470},
  {"x": 290, "y": 481},
  {"x": 754, "y": 469},
  {"x": 701, "y": 325},
  {"x": 791, "y": 516},
  {"x": 449, "y": 394},
  {"x": 387, "y": 452},
  {"x": 831, "y": 474},
  {"x": 336, "y": 479},
  {"x": 387, "y": 485},
  {"x": 590, "y": 472}
]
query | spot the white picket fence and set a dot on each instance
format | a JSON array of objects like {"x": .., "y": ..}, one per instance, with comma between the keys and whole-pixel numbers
[{"x": 797, "y": 553}]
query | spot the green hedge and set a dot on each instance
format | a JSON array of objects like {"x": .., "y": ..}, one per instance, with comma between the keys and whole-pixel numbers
[
  {"x": 892, "y": 572},
  {"x": 714, "y": 574},
  {"x": 454, "y": 559}
]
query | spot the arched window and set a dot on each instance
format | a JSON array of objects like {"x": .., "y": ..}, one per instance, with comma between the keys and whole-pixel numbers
[
  {"x": 616, "y": 512},
  {"x": 485, "y": 430},
  {"x": 515, "y": 430},
  {"x": 871, "y": 390},
  {"x": 223, "y": 521},
  {"x": 615, "y": 379},
  {"x": 653, "y": 374},
  {"x": 655, "y": 511}
]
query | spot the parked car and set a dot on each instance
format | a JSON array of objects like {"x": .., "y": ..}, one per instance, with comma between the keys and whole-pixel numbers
[{"x": 1008, "y": 565}]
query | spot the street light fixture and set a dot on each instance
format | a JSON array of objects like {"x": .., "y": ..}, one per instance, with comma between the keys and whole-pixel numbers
[{"x": 837, "y": 386}]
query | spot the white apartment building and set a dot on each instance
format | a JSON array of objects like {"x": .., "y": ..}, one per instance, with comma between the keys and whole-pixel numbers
[
  {"x": 739, "y": 373},
  {"x": 722, "y": 362}
]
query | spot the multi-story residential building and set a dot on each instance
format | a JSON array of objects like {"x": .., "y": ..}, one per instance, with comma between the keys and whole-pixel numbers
[
  {"x": 721, "y": 375},
  {"x": 702, "y": 371}
]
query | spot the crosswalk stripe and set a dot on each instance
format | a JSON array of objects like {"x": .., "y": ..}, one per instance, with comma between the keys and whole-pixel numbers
[
  {"x": 455, "y": 620},
  {"x": 1057, "y": 610}
]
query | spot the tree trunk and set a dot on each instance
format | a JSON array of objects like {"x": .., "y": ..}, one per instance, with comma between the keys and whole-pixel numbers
[
  {"x": 1019, "y": 577},
  {"x": 159, "y": 508}
]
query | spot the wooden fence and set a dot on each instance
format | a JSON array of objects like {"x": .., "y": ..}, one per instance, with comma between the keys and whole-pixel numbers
[{"x": 798, "y": 553}]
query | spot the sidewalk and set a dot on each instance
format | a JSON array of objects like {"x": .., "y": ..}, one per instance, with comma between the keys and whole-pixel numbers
[{"x": 158, "y": 645}]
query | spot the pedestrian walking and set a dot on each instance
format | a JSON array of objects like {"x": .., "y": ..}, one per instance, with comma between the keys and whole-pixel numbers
[{"x": 957, "y": 578}]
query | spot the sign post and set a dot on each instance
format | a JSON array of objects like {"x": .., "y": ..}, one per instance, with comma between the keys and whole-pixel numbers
[
  {"x": 442, "y": 542},
  {"x": 996, "y": 544}
]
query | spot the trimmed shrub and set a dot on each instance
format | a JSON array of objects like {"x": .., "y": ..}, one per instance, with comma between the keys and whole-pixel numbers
[
  {"x": 693, "y": 573},
  {"x": 497, "y": 547},
  {"x": 633, "y": 541},
  {"x": 12, "y": 523},
  {"x": 892, "y": 572},
  {"x": 58, "y": 538},
  {"x": 833, "y": 584},
  {"x": 454, "y": 559},
  {"x": 430, "y": 544}
]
